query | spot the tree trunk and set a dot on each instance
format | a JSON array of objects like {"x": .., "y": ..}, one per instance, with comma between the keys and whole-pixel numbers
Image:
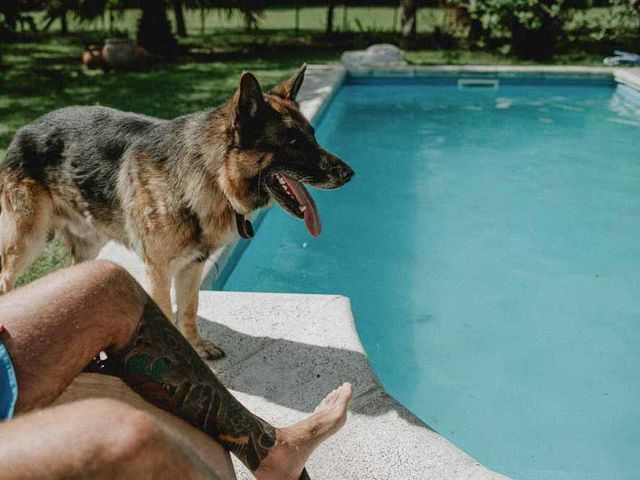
[
  {"x": 203, "y": 15},
  {"x": 345, "y": 21},
  {"x": 64, "y": 26},
  {"x": 330, "y": 8},
  {"x": 178, "y": 10},
  {"x": 394, "y": 23},
  {"x": 297, "y": 20},
  {"x": 154, "y": 29},
  {"x": 47, "y": 25},
  {"x": 409, "y": 31}
]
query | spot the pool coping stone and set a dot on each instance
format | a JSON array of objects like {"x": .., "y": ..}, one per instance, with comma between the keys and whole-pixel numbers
[
  {"x": 286, "y": 351},
  {"x": 274, "y": 341},
  {"x": 321, "y": 84}
]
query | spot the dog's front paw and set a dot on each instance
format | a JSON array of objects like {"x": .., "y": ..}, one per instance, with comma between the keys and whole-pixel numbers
[{"x": 208, "y": 350}]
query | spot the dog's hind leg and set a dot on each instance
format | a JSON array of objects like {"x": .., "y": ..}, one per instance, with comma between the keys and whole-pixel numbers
[
  {"x": 187, "y": 291},
  {"x": 25, "y": 223}
]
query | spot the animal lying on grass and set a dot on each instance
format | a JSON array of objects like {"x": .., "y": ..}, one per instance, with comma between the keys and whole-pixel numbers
[{"x": 173, "y": 191}]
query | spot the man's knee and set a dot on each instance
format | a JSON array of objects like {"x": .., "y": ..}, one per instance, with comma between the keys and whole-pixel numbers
[
  {"x": 117, "y": 279},
  {"x": 117, "y": 292}
]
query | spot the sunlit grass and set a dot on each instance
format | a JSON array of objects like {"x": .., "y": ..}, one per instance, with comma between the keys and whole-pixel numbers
[{"x": 47, "y": 74}]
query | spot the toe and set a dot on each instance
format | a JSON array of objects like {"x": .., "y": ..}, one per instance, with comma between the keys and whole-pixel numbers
[
  {"x": 345, "y": 393},
  {"x": 331, "y": 398}
]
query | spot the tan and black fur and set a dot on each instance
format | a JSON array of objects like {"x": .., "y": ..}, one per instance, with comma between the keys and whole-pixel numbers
[{"x": 170, "y": 190}]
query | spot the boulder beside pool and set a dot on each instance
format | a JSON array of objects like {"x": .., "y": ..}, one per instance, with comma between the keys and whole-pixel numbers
[{"x": 378, "y": 56}]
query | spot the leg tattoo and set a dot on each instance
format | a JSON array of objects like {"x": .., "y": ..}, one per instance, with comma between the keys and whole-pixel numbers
[{"x": 163, "y": 368}]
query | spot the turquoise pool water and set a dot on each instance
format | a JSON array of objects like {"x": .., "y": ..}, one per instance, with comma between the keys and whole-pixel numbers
[{"x": 490, "y": 243}]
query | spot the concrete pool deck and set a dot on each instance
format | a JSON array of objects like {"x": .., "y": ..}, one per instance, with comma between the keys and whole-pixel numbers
[{"x": 284, "y": 351}]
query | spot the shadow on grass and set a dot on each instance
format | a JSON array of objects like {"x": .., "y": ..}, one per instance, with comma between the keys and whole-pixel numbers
[{"x": 43, "y": 76}]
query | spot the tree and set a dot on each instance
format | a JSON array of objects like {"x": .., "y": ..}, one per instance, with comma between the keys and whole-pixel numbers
[
  {"x": 58, "y": 10},
  {"x": 12, "y": 16},
  {"x": 154, "y": 29},
  {"x": 626, "y": 17},
  {"x": 535, "y": 26},
  {"x": 409, "y": 27},
  {"x": 178, "y": 10},
  {"x": 330, "y": 7},
  {"x": 251, "y": 11}
]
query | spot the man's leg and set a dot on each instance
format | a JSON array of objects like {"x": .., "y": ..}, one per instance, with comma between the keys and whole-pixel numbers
[
  {"x": 78, "y": 440},
  {"x": 58, "y": 324},
  {"x": 160, "y": 364}
]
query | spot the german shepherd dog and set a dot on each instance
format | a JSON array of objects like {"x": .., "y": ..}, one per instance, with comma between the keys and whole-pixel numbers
[{"x": 173, "y": 191}]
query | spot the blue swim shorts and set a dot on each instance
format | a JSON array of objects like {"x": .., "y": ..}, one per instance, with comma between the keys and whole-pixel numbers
[{"x": 8, "y": 384}]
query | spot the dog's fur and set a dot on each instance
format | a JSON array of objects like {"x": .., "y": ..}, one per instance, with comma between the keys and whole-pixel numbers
[{"x": 168, "y": 189}]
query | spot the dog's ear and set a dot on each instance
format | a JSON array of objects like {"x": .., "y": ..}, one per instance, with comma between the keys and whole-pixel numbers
[
  {"x": 248, "y": 99},
  {"x": 288, "y": 90}
]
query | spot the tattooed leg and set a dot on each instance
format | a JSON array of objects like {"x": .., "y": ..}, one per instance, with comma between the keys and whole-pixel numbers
[
  {"x": 160, "y": 364},
  {"x": 56, "y": 325}
]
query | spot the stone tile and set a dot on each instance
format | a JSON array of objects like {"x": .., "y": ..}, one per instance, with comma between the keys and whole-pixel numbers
[
  {"x": 628, "y": 76},
  {"x": 298, "y": 375},
  {"x": 305, "y": 344},
  {"x": 380, "y": 441},
  {"x": 287, "y": 351}
]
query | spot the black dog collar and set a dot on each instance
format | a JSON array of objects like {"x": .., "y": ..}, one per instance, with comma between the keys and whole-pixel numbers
[{"x": 245, "y": 229}]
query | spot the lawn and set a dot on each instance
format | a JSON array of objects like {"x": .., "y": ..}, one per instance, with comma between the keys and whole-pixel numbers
[{"x": 44, "y": 72}]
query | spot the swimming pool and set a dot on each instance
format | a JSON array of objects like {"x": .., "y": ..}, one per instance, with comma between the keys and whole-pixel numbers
[{"x": 490, "y": 244}]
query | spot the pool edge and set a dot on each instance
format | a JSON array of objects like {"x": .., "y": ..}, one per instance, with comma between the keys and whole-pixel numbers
[
  {"x": 321, "y": 85},
  {"x": 323, "y": 81},
  {"x": 286, "y": 351},
  {"x": 327, "y": 81}
]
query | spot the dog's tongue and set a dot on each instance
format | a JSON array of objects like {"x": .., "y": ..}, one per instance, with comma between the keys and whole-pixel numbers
[{"x": 311, "y": 217}]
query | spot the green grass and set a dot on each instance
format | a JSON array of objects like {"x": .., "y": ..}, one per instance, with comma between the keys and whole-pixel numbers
[
  {"x": 54, "y": 256},
  {"x": 354, "y": 19},
  {"x": 44, "y": 72}
]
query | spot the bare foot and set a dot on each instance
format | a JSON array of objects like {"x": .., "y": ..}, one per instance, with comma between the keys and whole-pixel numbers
[{"x": 295, "y": 444}]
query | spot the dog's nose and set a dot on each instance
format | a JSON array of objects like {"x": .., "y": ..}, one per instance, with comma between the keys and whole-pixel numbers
[{"x": 346, "y": 173}]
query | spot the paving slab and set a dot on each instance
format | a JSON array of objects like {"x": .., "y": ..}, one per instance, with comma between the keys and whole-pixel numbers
[
  {"x": 285, "y": 352},
  {"x": 628, "y": 76},
  {"x": 322, "y": 82}
]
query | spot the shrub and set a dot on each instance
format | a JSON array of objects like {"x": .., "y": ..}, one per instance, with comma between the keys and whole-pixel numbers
[
  {"x": 534, "y": 27},
  {"x": 626, "y": 14}
]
